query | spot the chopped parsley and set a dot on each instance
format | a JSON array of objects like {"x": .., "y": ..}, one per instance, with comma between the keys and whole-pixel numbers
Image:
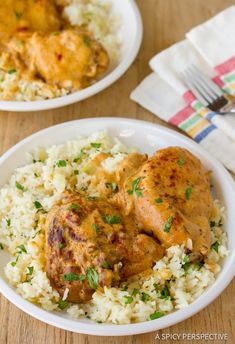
[
  {"x": 186, "y": 263},
  {"x": 181, "y": 162},
  {"x": 105, "y": 265},
  {"x": 93, "y": 278},
  {"x": 135, "y": 187},
  {"x": 165, "y": 293},
  {"x": 156, "y": 315},
  {"x": 144, "y": 297},
  {"x": 197, "y": 266},
  {"x": 62, "y": 304},
  {"x": 21, "y": 249},
  {"x": 1, "y": 246},
  {"x": 156, "y": 286},
  {"x": 112, "y": 186},
  {"x": 96, "y": 227},
  {"x": 18, "y": 15},
  {"x": 87, "y": 41},
  {"x": 74, "y": 207},
  {"x": 74, "y": 277},
  {"x": 19, "y": 186},
  {"x": 212, "y": 224},
  {"x": 15, "y": 262},
  {"x": 91, "y": 198},
  {"x": 8, "y": 221},
  {"x": 12, "y": 71},
  {"x": 34, "y": 236},
  {"x": 37, "y": 205},
  {"x": 188, "y": 192},
  {"x": 29, "y": 274},
  {"x": 80, "y": 156},
  {"x": 158, "y": 200},
  {"x": 95, "y": 145},
  {"x": 111, "y": 219},
  {"x": 215, "y": 246},
  {"x": 168, "y": 224},
  {"x": 61, "y": 245},
  {"x": 135, "y": 292},
  {"x": 128, "y": 299},
  {"x": 30, "y": 270},
  {"x": 61, "y": 163}
]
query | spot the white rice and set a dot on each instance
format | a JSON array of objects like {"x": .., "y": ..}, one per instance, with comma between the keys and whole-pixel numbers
[
  {"x": 97, "y": 17},
  {"x": 169, "y": 286}
]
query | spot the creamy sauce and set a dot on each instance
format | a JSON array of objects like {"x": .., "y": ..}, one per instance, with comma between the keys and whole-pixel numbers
[{"x": 37, "y": 43}]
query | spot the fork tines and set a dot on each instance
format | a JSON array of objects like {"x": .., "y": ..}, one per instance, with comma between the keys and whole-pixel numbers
[{"x": 204, "y": 89}]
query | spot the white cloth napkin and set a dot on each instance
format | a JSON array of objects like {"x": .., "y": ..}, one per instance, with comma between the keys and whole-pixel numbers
[{"x": 164, "y": 93}]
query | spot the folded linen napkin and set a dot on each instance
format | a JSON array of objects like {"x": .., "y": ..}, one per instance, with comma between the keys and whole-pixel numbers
[
  {"x": 165, "y": 94},
  {"x": 169, "y": 65}
]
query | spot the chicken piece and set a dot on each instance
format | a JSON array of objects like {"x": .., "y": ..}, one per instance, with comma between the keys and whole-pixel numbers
[
  {"x": 89, "y": 243},
  {"x": 169, "y": 196},
  {"x": 107, "y": 183},
  {"x": 28, "y": 15},
  {"x": 69, "y": 58}
]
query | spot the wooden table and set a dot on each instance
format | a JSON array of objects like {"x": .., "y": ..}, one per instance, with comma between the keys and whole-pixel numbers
[{"x": 165, "y": 22}]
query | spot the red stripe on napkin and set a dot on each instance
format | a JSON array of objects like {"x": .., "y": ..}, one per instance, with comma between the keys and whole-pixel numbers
[
  {"x": 226, "y": 66},
  {"x": 181, "y": 115}
]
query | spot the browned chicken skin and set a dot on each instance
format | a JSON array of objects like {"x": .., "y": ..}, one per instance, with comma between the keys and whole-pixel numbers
[
  {"x": 85, "y": 234},
  {"x": 170, "y": 197},
  {"x": 163, "y": 199}
]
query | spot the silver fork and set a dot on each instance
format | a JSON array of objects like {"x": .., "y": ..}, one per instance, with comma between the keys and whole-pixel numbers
[{"x": 207, "y": 92}]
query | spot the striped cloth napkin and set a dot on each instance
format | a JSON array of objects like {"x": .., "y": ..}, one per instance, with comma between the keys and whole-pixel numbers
[{"x": 211, "y": 47}]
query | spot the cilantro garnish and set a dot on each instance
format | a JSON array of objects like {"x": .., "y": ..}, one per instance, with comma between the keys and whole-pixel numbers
[
  {"x": 74, "y": 207},
  {"x": 168, "y": 224},
  {"x": 19, "y": 186},
  {"x": 105, "y": 265},
  {"x": 112, "y": 186},
  {"x": 61, "y": 163},
  {"x": 37, "y": 205},
  {"x": 215, "y": 246},
  {"x": 74, "y": 277},
  {"x": 62, "y": 304},
  {"x": 95, "y": 145},
  {"x": 96, "y": 227},
  {"x": 128, "y": 299},
  {"x": 135, "y": 187},
  {"x": 156, "y": 315},
  {"x": 144, "y": 297},
  {"x": 111, "y": 219},
  {"x": 188, "y": 192},
  {"x": 93, "y": 278}
]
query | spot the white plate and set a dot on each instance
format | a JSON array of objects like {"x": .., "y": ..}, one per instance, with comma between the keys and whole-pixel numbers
[
  {"x": 131, "y": 36},
  {"x": 147, "y": 137}
]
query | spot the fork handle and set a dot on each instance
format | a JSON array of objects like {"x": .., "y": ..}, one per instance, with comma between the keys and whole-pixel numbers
[{"x": 223, "y": 113}]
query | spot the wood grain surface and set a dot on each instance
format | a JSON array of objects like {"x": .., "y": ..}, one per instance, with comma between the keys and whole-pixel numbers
[{"x": 165, "y": 22}]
